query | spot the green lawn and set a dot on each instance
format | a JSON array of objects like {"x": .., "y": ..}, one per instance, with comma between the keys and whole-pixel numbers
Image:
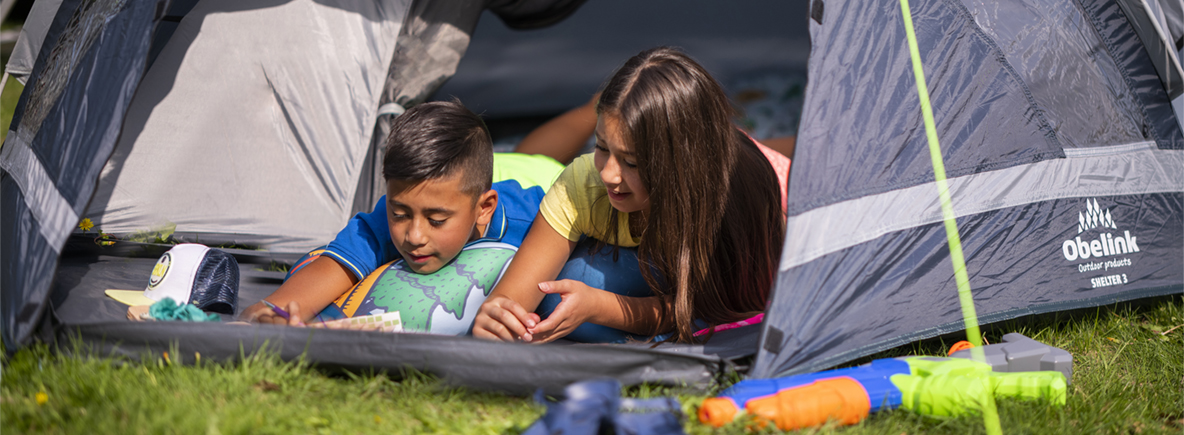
[
  {"x": 1128, "y": 378},
  {"x": 8, "y": 98}
]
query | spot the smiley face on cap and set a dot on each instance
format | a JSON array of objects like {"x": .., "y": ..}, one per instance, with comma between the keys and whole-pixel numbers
[{"x": 160, "y": 270}]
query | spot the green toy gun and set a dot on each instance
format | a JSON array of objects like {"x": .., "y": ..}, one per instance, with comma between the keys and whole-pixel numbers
[{"x": 926, "y": 385}]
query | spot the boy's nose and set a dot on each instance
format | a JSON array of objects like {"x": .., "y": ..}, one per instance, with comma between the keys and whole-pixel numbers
[{"x": 415, "y": 233}]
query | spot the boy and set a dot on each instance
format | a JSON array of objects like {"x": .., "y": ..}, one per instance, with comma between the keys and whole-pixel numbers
[{"x": 440, "y": 196}]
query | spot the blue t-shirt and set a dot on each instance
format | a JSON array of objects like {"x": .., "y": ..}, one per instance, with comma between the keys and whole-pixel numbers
[{"x": 365, "y": 243}]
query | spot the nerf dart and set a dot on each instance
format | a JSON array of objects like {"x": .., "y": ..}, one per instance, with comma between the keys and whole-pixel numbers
[{"x": 926, "y": 385}]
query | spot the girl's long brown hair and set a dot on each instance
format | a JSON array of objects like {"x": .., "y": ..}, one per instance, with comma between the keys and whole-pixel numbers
[{"x": 714, "y": 229}]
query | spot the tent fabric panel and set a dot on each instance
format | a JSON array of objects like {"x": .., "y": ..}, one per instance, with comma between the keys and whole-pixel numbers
[
  {"x": 533, "y": 14},
  {"x": 65, "y": 158},
  {"x": 54, "y": 214},
  {"x": 1103, "y": 171},
  {"x": 1052, "y": 47},
  {"x": 105, "y": 76},
  {"x": 901, "y": 286},
  {"x": 433, "y": 39},
  {"x": 1152, "y": 28},
  {"x": 225, "y": 137},
  {"x": 73, "y": 32},
  {"x": 27, "y": 262},
  {"x": 28, "y": 44},
  {"x": 861, "y": 131},
  {"x": 1124, "y": 46}
]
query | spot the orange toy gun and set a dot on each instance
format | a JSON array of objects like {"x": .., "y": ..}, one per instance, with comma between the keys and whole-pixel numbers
[{"x": 926, "y": 385}]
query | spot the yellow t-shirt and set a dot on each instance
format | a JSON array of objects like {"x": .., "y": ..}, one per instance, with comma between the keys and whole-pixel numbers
[{"x": 577, "y": 205}]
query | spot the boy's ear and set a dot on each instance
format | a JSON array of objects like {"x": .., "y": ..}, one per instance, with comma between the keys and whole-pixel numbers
[{"x": 486, "y": 205}]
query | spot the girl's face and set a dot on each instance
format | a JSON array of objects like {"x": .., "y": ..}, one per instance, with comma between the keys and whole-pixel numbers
[{"x": 618, "y": 167}]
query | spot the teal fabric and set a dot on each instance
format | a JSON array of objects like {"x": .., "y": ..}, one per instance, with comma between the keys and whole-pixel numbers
[{"x": 167, "y": 309}]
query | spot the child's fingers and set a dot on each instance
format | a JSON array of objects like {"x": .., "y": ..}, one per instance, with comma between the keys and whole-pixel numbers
[
  {"x": 562, "y": 286},
  {"x": 527, "y": 319},
  {"x": 294, "y": 315},
  {"x": 256, "y": 313},
  {"x": 497, "y": 321},
  {"x": 553, "y": 323},
  {"x": 512, "y": 327},
  {"x": 268, "y": 319}
]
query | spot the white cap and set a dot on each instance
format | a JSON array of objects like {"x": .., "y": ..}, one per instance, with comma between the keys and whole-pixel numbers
[{"x": 175, "y": 276}]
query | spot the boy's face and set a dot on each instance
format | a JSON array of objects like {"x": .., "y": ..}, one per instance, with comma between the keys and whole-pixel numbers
[{"x": 433, "y": 220}]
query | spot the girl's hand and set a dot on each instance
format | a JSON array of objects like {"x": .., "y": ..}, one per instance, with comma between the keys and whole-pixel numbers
[
  {"x": 579, "y": 305},
  {"x": 500, "y": 318}
]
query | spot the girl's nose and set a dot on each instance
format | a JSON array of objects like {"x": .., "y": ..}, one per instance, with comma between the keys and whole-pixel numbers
[{"x": 611, "y": 174}]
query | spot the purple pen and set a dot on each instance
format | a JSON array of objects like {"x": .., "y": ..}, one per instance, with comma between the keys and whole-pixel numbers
[{"x": 278, "y": 311}]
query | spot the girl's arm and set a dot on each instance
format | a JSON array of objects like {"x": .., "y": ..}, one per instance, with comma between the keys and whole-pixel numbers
[
  {"x": 581, "y": 303},
  {"x": 509, "y": 309},
  {"x": 508, "y": 312}
]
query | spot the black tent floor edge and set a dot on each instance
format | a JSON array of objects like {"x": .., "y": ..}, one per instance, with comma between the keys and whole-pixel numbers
[{"x": 459, "y": 361}]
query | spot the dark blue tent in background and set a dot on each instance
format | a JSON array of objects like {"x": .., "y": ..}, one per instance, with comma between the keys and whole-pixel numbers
[
  {"x": 1056, "y": 118},
  {"x": 1065, "y": 163}
]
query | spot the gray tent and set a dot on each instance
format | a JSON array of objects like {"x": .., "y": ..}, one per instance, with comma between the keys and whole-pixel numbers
[{"x": 146, "y": 115}]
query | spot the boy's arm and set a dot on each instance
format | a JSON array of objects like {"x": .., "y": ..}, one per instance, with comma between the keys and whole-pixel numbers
[{"x": 313, "y": 287}]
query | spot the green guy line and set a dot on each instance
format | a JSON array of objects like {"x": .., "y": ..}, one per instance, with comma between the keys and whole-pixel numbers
[{"x": 969, "y": 317}]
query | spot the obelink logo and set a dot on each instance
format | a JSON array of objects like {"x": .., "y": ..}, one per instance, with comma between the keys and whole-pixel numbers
[{"x": 1105, "y": 244}]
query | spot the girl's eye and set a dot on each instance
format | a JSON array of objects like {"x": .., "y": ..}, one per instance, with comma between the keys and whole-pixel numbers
[
  {"x": 631, "y": 164},
  {"x": 436, "y": 223},
  {"x": 600, "y": 147},
  {"x": 399, "y": 216}
]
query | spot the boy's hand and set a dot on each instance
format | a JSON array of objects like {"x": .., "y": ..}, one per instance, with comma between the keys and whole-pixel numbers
[
  {"x": 500, "y": 318},
  {"x": 260, "y": 313},
  {"x": 578, "y": 306}
]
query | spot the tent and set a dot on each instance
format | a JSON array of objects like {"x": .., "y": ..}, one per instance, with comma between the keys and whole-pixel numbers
[
  {"x": 161, "y": 116},
  {"x": 1058, "y": 138}
]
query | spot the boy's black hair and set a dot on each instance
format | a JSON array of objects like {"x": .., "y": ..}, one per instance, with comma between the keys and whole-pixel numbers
[{"x": 435, "y": 140}]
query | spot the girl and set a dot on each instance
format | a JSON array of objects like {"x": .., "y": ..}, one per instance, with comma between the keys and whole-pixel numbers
[{"x": 671, "y": 176}]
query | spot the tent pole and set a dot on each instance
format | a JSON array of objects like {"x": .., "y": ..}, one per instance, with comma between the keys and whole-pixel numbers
[
  {"x": 990, "y": 413},
  {"x": 5, "y": 8}
]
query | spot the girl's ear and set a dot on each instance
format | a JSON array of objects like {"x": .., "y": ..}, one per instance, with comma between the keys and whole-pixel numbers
[{"x": 486, "y": 205}]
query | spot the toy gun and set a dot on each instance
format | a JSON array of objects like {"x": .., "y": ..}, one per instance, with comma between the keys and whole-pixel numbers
[{"x": 926, "y": 385}]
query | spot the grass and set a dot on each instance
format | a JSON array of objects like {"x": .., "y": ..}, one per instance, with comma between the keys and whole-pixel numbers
[
  {"x": 259, "y": 395},
  {"x": 1128, "y": 378},
  {"x": 8, "y": 98}
]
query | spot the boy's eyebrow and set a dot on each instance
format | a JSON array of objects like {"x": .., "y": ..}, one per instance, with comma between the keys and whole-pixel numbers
[{"x": 434, "y": 210}]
